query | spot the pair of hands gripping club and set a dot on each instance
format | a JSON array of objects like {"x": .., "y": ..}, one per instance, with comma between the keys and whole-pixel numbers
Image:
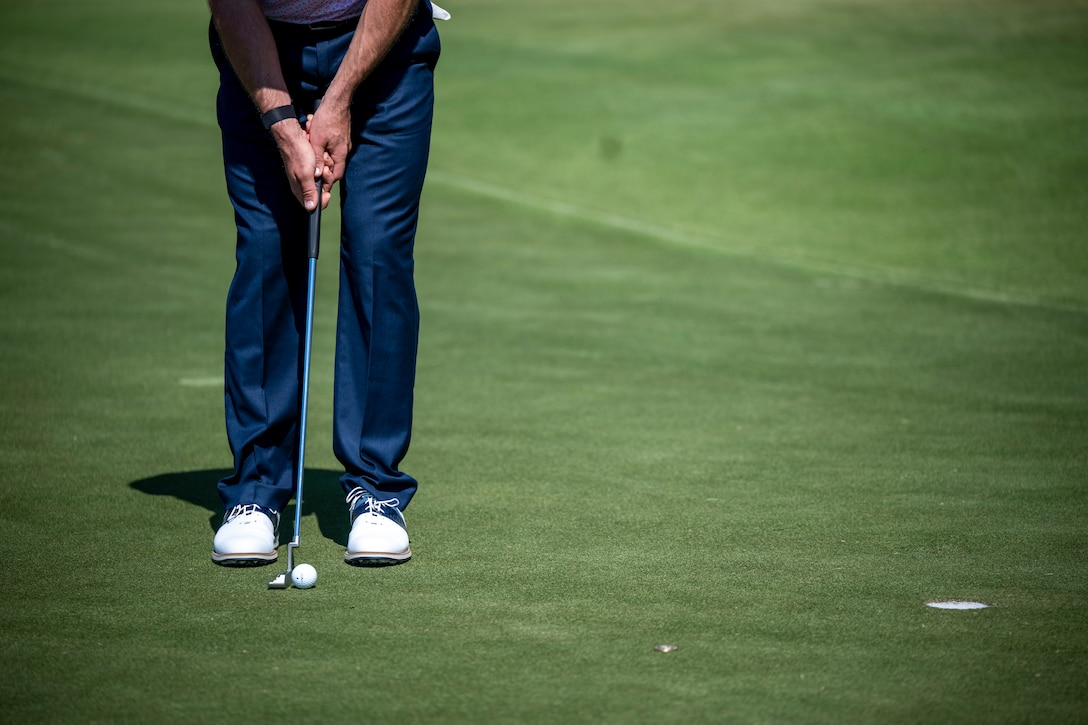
[{"x": 314, "y": 154}]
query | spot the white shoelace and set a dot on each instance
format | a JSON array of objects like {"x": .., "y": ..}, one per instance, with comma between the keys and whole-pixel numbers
[
  {"x": 247, "y": 508},
  {"x": 373, "y": 505}
]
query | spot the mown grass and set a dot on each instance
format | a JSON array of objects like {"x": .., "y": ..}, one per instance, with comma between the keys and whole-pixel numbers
[{"x": 746, "y": 328}]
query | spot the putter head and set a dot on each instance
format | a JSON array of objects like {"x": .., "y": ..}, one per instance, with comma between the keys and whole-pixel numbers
[{"x": 283, "y": 581}]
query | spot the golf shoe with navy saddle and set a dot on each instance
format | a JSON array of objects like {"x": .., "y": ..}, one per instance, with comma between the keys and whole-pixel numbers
[
  {"x": 378, "y": 535},
  {"x": 248, "y": 537}
]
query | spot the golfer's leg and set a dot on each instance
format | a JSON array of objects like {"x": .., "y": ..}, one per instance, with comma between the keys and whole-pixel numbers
[
  {"x": 265, "y": 310},
  {"x": 378, "y": 323}
]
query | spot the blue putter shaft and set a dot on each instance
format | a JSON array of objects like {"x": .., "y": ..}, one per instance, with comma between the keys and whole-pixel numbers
[{"x": 312, "y": 248}]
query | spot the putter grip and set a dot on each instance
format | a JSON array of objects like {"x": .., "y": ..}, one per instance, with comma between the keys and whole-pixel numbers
[
  {"x": 315, "y": 226},
  {"x": 315, "y": 216}
]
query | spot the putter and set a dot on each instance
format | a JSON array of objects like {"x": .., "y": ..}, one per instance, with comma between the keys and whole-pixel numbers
[{"x": 283, "y": 581}]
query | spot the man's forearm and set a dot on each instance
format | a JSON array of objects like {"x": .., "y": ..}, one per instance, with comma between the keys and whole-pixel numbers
[
  {"x": 251, "y": 50},
  {"x": 380, "y": 26},
  {"x": 252, "y": 53}
]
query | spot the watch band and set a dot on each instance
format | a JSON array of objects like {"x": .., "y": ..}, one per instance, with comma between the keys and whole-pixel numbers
[{"x": 280, "y": 113}]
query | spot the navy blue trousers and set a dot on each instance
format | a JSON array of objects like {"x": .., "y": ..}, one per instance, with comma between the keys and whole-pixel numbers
[{"x": 377, "y": 315}]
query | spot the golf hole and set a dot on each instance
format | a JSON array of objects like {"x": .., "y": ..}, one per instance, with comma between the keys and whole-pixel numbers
[{"x": 957, "y": 604}]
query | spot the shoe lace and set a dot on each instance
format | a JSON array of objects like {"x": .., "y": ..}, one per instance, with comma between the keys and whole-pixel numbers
[
  {"x": 373, "y": 505},
  {"x": 247, "y": 508}
]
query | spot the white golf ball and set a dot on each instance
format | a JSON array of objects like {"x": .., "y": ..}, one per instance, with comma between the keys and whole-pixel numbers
[{"x": 304, "y": 576}]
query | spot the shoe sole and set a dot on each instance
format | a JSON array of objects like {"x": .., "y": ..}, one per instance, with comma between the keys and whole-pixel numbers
[
  {"x": 244, "y": 559},
  {"x": 376, "y": 558}
]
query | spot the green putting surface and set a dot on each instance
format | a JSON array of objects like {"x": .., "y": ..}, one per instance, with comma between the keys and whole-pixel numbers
[{"x": 748, "y": 328}]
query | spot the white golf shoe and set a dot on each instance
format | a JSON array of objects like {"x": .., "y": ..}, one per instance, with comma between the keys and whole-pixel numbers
[
  {"x": 378, "y": 535},
  {"x": 248, "y": 537}
]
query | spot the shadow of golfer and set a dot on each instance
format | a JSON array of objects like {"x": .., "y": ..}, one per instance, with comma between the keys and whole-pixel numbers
[{"x": 324, "y": 499}]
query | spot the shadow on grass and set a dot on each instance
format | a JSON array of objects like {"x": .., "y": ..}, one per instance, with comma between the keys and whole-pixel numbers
[{"x": 324, "y": 499}]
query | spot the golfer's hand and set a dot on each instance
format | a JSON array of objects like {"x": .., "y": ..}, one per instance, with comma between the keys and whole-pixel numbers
[
  {"x": 299, "y": 162},
  {"x": 330, "y": 136}
]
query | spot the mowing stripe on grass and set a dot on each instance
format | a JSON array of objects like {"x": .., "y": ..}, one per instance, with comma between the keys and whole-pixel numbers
[
  {"x": 209, "y": 381},
  {"x": 88, "y": 252},
  {"x": 681, "y": 238},
  {"x": 107, "y": 96}
]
